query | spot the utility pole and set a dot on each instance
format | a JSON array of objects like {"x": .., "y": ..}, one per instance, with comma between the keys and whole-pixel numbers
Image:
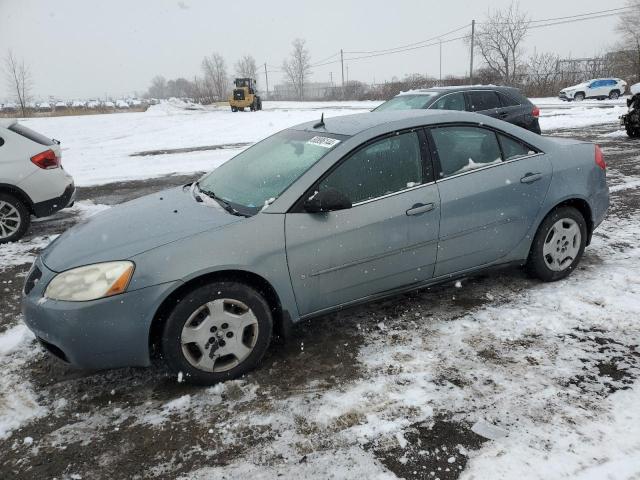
[
  {"x": 266, "y": 78},
  {"x": 347, "y": 73},
  {"x": 473, "y": 37},
  {"x": 342, "y": 63},
  {"x": 331, "y": 78},
  {"x": 440, "y": 62}
]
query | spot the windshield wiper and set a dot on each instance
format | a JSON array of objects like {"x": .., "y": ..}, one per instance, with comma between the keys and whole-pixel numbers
[{"x": 223, "y": 203}]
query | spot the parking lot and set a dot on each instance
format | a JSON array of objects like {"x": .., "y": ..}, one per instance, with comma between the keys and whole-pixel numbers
[{"x": 391, "y": 388}]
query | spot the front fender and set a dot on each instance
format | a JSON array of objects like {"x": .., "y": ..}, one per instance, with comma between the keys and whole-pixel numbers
[{"x": 255, "y": 246}]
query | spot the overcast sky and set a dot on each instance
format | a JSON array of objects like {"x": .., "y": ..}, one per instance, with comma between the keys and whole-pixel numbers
[{"x": 93, "y": 48}]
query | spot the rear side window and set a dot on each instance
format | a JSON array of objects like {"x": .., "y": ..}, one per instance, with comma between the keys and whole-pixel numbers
[
  {"x": 513, "y": 149},
  {"x": 30, "y": 134},
  {"x": 507, "y": 101},
  {"x": 462, "y": 149},
  {"x": 452, "y": 101},
  {"x": 483, "y": 100}
]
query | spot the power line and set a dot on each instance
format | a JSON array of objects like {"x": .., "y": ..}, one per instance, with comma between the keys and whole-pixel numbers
[
  {"x": 577, "y": 17},
  {"x": 412, "y": 44},
  {"x": 574, "y": 20},
  {"x": 407, "y": 49}
]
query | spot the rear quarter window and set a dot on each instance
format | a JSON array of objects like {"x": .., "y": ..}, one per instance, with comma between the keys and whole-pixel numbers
[
  {"x": 507, "y": 101},
  {"x": 30, "y": 134}
]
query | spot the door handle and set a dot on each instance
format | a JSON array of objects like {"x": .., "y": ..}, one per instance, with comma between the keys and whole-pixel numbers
[
  {"x": 420, "y": 208},
  {"x": 531, "y": 177},
  {"x": 503, "y": 114}
]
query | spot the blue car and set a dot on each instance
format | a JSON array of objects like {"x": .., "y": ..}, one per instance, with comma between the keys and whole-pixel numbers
[{"x": 315, "y": 218}]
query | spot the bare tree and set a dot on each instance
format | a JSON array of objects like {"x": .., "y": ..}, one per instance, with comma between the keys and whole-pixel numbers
[
  {"x": 246, "y": 67},
  {"x": 629, "y": 29},
  {"x": 158, "y": 88},
  {"x": 499, "y": 41},
  {"x": 542, "y": 74},
  {"x": 215, "y": 75},
  {"x": 298, "y": 68},
  {"x": 19, "y": 80}
]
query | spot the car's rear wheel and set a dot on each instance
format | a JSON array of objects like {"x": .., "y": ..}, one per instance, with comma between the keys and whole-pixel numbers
[
  {"x": 558, "y": 245},
  {"x": 578, "y": 97},
  {"x": 614, "y": 95},
  {"x": 217, "y": 332},
  {"x": 14, "y": 218}
]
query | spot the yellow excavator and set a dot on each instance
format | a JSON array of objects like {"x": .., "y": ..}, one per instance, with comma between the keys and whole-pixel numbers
[{"x": 245, "y": 96}]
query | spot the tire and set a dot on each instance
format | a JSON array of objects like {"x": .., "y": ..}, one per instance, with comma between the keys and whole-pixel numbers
[
  {"x": 234, "y": 109},
  {"x": 614, "y": 95},
  {"x": 552, "y": 264},
  {"x": 259, "y": 103},
  {"x": 633, "y": 132},
  {"x": 14, "y": 218},
  {"x": 222, "y": 305},
  {"x": 578, "y": 97}
]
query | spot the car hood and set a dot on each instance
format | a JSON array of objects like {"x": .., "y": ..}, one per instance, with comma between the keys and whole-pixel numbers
[{"x": 135, "y": 227}]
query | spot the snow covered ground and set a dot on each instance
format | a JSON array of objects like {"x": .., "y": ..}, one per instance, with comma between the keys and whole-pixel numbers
[
  {"x": 396, "y": 389},
  {"x": 98, "y": 149}
]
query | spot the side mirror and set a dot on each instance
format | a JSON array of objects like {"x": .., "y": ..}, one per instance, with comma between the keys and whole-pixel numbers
[{"x": 327, "y": 201}]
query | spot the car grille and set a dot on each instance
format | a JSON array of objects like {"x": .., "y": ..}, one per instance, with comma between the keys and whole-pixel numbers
[
  {"x": 34, "y": 276},
  {"x": 238, "y": 94}
]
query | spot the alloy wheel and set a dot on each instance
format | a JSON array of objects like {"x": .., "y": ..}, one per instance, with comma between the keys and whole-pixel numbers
[{"x": 10, "y": 220}]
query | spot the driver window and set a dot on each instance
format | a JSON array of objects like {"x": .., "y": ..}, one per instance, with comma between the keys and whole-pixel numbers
[{"x": 386, "y": 166}]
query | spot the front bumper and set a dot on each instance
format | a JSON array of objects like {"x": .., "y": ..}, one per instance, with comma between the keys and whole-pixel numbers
[
  {"x": 49, "y": 207},
  {"x": 106, "y": 333}
]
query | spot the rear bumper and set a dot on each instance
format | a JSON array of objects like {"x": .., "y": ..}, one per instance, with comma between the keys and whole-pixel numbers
[{"x": 49, "y": 207}]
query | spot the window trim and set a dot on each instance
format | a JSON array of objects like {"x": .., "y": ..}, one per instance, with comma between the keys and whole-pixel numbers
[
  {"x": 436, "y": 156},
  {"x": 425, "y": 160}
]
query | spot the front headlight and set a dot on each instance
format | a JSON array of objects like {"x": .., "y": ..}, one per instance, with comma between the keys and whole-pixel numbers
[{"x": 90, "y": 282}]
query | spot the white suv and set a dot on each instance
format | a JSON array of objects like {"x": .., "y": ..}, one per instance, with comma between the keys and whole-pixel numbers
[
  {"x": 32, "y": 181},
  {"x": 599, "y": 88}
]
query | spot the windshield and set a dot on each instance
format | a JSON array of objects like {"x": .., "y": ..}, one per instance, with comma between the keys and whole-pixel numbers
[
  {"x": 408, "y": 102},
  {"x": 262, "y": 172}
]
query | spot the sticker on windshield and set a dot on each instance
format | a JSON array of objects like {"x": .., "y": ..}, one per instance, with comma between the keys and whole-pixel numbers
[{"x": 325, "y": 142}]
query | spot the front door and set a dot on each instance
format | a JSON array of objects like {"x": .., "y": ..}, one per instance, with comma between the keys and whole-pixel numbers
[
  {"x": 491, "y": 187},
  {"x": 388, "y": 239}
]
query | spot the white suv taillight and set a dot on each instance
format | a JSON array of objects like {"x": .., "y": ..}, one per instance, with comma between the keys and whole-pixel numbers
[{"x": 46, "y": 160}]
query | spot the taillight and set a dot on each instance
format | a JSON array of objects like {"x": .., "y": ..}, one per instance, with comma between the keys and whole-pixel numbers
[
  {"x": 535, "y": 112},
  {"x": 600, "y": 158},
  {"x": 46, "y": 160}
]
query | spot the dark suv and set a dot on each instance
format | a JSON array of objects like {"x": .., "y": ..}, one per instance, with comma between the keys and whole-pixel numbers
[{"x": 505, "y": 103}]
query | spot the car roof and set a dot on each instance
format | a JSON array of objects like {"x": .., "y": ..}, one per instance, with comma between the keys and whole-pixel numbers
[
  {"x": 351, "y": 125},
  {"x": 454, "y": 88}
]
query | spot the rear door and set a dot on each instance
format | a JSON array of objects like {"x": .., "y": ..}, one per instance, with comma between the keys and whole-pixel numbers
[
  {"x": 485, "y": 102},
  {"x": 389, "y": 237},
  {"x": 491, "y": 187}
]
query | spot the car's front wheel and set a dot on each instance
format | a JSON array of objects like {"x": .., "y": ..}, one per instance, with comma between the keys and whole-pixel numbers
[
  {"x": 217, "y": 332},
  {"x": 614, "y": 95},
  {"x": 558, "y": 245},
  {"x": 14, "y": 218},
  {"x": 578, "y": 97}
]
